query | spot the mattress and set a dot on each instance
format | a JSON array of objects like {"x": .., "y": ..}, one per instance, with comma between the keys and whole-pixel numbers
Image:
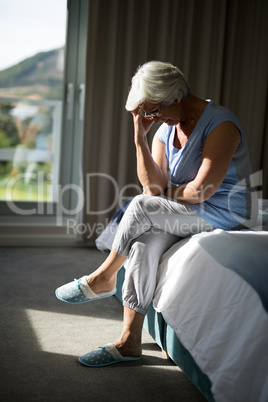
[{"x": 213, "y": 291}]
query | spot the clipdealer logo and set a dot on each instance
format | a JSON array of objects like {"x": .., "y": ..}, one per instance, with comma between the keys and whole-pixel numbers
[
  {"x": 118, "y": 196},
  {"x": 58, "y": 207}
]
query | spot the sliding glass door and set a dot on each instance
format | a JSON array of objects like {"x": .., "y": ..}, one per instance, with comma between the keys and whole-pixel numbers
[
  {"x": 31, "y": 97},
  {"x": 42, "y": 71}
]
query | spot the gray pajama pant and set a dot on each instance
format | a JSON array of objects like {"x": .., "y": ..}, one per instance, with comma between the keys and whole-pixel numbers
[{"x": 149, "y": 227}]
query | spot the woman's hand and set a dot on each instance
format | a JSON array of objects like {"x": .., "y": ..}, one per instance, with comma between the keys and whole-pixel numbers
[{"x": 141, "y": 124}]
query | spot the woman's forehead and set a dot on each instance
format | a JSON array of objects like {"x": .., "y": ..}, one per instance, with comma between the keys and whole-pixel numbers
[{"x": 150, "y": 107}]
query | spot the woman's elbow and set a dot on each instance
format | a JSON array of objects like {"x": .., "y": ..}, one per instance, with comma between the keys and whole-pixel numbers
[
  {"x": 154, "y": 190},
  {"x": 205, "y": 192},
  {"x": 196, "y": 195}
]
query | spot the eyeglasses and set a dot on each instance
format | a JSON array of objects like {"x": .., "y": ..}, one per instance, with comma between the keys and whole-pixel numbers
[{"x": 152, "y": 115}]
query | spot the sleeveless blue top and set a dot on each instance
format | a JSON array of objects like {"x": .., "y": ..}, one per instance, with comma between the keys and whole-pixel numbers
[{"x": 234, "y": 203}]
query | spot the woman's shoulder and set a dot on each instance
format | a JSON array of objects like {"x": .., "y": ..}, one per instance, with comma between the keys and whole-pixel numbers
[
  {"x": 164, "y": 132},
  {"x": 217, "y": 114}
]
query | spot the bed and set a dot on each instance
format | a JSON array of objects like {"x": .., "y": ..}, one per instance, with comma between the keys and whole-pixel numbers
[{"x": 210, "y": 309}]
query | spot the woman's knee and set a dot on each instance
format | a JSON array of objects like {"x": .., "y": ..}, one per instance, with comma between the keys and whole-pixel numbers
[
  {"x": 138, "y": 201},
  {"x": 146, "y": 203}
]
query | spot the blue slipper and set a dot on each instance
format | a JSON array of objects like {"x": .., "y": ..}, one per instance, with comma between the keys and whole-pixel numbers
[
  {"x": 78, "y": 291},
  {"x": 105, "y": 356}
]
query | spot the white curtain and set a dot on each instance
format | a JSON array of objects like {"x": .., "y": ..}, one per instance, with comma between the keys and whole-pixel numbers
[{"x": 219, "y": 45}]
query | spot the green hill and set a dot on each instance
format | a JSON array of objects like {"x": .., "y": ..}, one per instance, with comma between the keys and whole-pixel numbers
[{"x": 40, "y": 75}]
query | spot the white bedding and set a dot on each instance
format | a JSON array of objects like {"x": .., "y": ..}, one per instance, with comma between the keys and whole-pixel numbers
[{"x": 217, "y": 315}]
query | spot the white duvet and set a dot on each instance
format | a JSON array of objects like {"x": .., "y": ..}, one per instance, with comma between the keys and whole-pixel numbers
[{"x": 218, "y": 317}]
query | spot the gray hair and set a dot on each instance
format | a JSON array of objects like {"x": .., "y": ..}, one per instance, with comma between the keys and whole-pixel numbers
[{"x": 157, "y": 82}]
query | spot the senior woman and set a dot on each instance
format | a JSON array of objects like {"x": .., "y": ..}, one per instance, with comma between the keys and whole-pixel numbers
[{"x": 195, "y": 179}]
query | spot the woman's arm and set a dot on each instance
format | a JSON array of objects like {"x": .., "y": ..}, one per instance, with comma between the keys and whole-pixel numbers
[
  {"x": 152, "y": 167},
  {"x": 218, "y": 151}
]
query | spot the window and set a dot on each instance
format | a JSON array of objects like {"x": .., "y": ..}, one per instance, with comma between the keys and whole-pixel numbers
[
  {"x": 41, "y": 107},
  {"x": 31, "y": 94}
]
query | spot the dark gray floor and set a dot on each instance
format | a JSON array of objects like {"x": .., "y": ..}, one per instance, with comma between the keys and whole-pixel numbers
[{"x": 42, "y": 337}]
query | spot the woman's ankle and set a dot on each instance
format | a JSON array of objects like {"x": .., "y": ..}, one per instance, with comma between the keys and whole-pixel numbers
[
  {"x": 129, "y": 345},
  {"x": 101, "y": 283}
]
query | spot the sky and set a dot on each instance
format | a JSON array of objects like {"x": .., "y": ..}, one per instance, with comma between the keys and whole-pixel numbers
[{"x": 30, "y": 26}]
